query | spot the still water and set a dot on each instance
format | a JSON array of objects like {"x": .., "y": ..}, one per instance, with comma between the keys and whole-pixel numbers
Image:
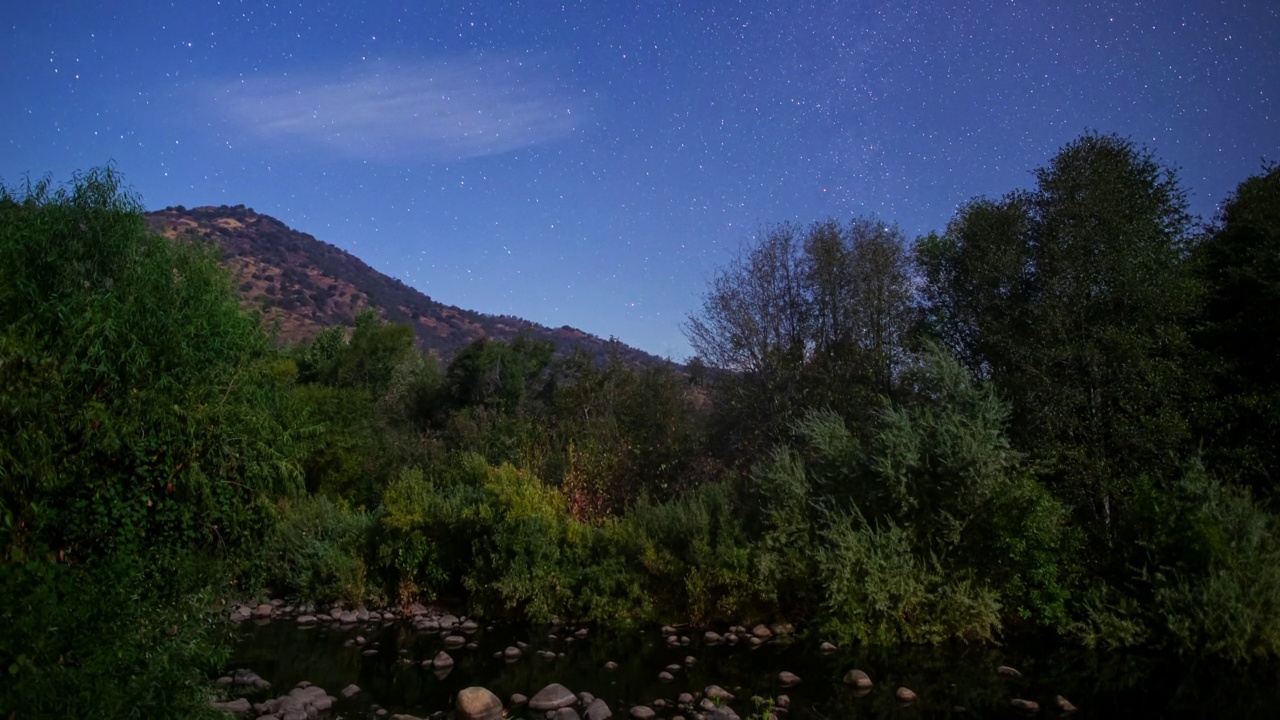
[{"x": 959, "y": 681}]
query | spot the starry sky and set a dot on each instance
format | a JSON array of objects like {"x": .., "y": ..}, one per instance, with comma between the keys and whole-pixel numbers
[{"x": 593, "y": 163}]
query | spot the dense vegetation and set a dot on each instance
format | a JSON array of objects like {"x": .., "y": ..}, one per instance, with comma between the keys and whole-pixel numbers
[{"x": 1057, "y": 417}]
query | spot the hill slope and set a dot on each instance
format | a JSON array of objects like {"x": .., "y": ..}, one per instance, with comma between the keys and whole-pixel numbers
[{"x": 307, "y": 285}]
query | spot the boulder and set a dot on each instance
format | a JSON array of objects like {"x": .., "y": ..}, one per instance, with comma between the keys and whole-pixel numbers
[
  {"x": 1028, "y": 706},
  {"x": 715, "y": 692},
  {"x": 552, "y": 697},
  {"x": 442, "y": 660},
  {"x": 665, "y": 677},
  {"x": 512, "y": 653},
  {"x": 350, "y": 691},
  {"x": 1064, "y": 705},
  {"x": 905, "y": 694},
  {"x": 858, "y": 679},
  {"x": 827, "y": 647},
  {"x": 611, "y": 665},
  {"x": 566, "y": 713},
  {"x": 1007, "y": 671},
  {"x": 518, "y": 699},
  {"x": 306, "y": 619},
  {"x": 239, "y": 706},
  {"x": 788, "y": 678},
  {"x": 453, "y": 642},
  {"x": 598, "y": 710},
  {"x": 643, "y": 712},
  {"x": 477, "y": 703},
  {"x": 712, "y": 637},
  {"x": 762, "y": 631}
]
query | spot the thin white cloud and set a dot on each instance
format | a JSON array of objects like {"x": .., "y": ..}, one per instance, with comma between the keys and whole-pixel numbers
[{"x": 444, "y": 109}]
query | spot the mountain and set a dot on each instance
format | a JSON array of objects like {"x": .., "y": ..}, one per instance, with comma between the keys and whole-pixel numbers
[{"x": 307, "y": 285}]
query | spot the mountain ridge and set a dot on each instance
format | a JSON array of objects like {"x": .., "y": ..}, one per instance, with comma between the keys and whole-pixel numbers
[{"x": 307, "y": 285}]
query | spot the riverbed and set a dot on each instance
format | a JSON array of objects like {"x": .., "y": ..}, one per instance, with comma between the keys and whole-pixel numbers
[{"x": 385, "y": 660}]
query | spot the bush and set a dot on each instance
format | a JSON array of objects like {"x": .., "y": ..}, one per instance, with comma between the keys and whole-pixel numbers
[{"x": 316, "y": 550}]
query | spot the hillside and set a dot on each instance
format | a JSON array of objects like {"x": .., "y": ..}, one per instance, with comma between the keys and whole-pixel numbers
[{"x": 307, "y": 285}]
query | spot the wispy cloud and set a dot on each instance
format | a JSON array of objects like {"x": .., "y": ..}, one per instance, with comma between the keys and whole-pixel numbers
[{"x": 444, "y": 109}]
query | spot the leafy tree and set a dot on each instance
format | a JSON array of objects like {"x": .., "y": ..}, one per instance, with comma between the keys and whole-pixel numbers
[
  {"x": 142, "y": 430},
  {"x": 1073, "y": 299},
  {"x": 1239, "y": 264},
  {"x": 814, "y": 318}
]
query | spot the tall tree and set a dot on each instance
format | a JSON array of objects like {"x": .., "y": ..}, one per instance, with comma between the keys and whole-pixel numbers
[
  {"x": 814, "y": 318},
  {"x": 1239, "y": 264},
  {"x": 1073, "y": 299}
]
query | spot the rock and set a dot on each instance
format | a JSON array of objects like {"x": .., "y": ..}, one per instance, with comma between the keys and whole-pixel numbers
[
  {"x": 453, "y": 642},
  {"x": 263, "y": 610},
  {"x": 685, "y": 699},
  {"x": 782, "y": 702},
  {"x": 552, "y": 697},
  {"x": 1065, "y": 705},
  {"x": 306, "y": 619},
  {"x": 362, "y": 614},
  {"x": 447, "y": 622},
  {"x": 566, "y": 713},
  {"x": 581, "y": 633},
  {"x": 469, "y": 626},
  {"x": 712, "y": 637},
  {"x": 348, "y": 618},
  {"x": 239, "y": 706},
  {"x": 858, "y": 679},
  {"x": 643, "y": 712},
  {"x": 598, "y": 710},
  {"x": 585, "y": 698},
  {"x": 690, "y": 661},
  {"x": 477, "y": 703},
  {"x": 1007, "y": 671},
  {"x": 442, "y": 660},
  {"x": 684, "y": 640},
  {"x": 665, "y": 676},
  {"x": 512, "y": 653},
  {"x": 668, "y": 630},
  {"x": 388, "y": 616},
  {"x": 403, "y": 716},
  {"x": 762, "y": 631},
  {"x": 518, "y": 699},
  {"x": 788, "y": 678},
  {"x": 1029, "y": 706},
  {"x": 827, "y": 647},
  {"x": 547, "y": 654},
  {"x": 783, "y": 628},
  {"x": 715, "y": 692},
  {"x": 905, "y": 694},
  {"x": 755, "y": 641},
  {"x": 370, "y": 652},
  {"x": 350, "y": 691},
  {"x": 611, "y": 665}
]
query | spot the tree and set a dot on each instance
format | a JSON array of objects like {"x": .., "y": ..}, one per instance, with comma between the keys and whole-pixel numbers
[
  {"x": 1239, "y": 264},
  {"x": 814, "y": 318},
  {"x": 1073, "y": 299}
]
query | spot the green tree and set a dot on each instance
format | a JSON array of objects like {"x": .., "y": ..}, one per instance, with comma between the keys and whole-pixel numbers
[
  {"x": 1239, "y": 264},
  {"x": 142, "y": 432},
  {"x": 1073, "y": 299}
]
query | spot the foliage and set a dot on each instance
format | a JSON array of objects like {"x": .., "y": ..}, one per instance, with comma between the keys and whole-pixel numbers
[
  {"x": 1239, "y": 264},
  {"x": 1073, "y": 299},
  {"x": 317, "y": 549}
]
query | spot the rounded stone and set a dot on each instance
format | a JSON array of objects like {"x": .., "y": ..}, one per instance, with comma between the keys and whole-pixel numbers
[
  {"x": 788, "y": 678},
  {"x": 477, "y": 703},
  {"x": 442, "y": 660},
  {"x": 1028, "y": 706},
  {"x": 552, "y": 697},
  {"x": 858, "y": 679},
  {"x": 1007, "y": 671},
  {"x": 905, "y": 694},
  {"x": 643, "y": 712}
]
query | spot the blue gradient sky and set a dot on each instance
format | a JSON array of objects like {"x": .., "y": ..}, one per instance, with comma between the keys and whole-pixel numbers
[{"x": 593, "y": 163}]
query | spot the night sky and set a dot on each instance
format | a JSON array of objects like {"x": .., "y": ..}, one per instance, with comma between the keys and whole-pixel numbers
[{"x": 592, "y": 163}]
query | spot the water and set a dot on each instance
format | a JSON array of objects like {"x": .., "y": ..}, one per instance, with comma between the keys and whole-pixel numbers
[{"x": 1100, "y": 684}]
